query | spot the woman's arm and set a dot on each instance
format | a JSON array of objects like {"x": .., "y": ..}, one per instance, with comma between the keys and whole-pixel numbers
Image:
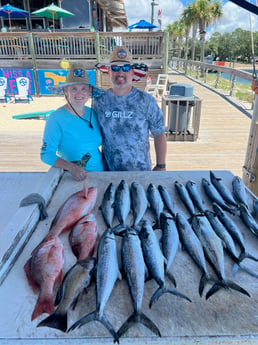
[{"x": 77, "y": 172}]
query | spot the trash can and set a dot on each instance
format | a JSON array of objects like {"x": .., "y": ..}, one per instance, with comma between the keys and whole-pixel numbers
[{"x": 180, "y": 91}]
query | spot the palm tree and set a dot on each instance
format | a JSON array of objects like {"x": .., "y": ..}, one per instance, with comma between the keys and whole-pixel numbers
[
  {"x": 207, "y": 12},
  {"x": 190, "y": 17},
  {"x": 176, "y": 32}
]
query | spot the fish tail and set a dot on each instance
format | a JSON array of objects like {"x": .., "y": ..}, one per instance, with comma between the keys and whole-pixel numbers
[
  {"x": 43, "y": 305},
  {"x": 163, "y": 289},
  {"x": 171, "y": 277},
  {"x": 215, "y": 288},
  {"x": 138, "y": 317},
  {"x": 95, "y": 316},
  {"x": 55, "y": 320},
  {"x": 203, "y": 281},
  {"x": 225, "y": 285},
  {"x": 237, "y": 287}
]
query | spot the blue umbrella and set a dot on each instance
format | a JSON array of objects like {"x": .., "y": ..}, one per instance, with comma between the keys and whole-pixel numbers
[
  {"x": 8, "y": 11},
  {"x": 142, "y": 24}
]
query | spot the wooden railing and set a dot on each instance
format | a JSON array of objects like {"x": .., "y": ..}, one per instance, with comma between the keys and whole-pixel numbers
[
  {"x": 201, "y": 71},
  {"x": 88, "y": 45}
]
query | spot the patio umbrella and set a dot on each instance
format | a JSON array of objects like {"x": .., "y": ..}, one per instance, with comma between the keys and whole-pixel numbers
[
  {"x": 142, "y": 24},
  {"x": 54, "y": 12},
  {"x": 8, "y": 11}
]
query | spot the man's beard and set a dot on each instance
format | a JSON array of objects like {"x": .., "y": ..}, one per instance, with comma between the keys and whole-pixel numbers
[{"x": 123, "y": 85}]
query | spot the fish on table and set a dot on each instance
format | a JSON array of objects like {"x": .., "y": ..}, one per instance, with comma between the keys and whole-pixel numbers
[
  {"x": 134, "y": 268},
  {"x": 75, "y": 281},
  {"x": 83, "y": 237},
  {"x": 155, "y": 262},
  {"x": 107, "y": 206},
  {"x": 193, "y": 191},
  {"x": 215, "y": 196},
  {"x": 167, "y": 200},
  {"x": 239, "y": 191},
  {"x": 74, "y": 208},
  {"x": 248, "y": 219},
  {"x": 226, "y": 194},
  {"x": 235, "y": 233},
  {"x": 213, "y": 249},
  {"x": 169, "y": 241},
  {"x": 185, "y": 197},
  {"x": 107, "y": 272},
  {"x": 194, "y": 248},
  {"x": 122, "y": 204},
  {"x": 222, "y": 232},
  {"x": 44, "y": 272},
  {"x": 139, "y": 202},
  {"x": 155, "y": 202}
]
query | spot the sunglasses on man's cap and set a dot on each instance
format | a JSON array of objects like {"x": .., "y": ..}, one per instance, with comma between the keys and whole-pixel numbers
[{"x": 125, "y": 68}]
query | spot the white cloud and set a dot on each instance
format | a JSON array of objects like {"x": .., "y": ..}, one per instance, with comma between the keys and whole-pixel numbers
[
  {"x": 233, "y": 18},
  {"x": 142, "y": 9}
]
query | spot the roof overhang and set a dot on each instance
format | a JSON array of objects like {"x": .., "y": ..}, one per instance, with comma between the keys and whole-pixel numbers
[{"x": 115, "y": 10}]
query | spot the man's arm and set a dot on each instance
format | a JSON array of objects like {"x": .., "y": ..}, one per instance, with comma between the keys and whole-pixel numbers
[{"x": 160, "y": 145}]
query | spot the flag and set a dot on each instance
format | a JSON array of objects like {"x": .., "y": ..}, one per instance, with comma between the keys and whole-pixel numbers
[{"x": 160, "y": 18}]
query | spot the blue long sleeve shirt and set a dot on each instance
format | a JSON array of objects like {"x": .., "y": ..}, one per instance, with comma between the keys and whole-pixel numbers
[{"x": 69, "y": 137}]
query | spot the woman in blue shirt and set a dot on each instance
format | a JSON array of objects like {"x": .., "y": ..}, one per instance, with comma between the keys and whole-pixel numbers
[{"x": 72, "y": 134}]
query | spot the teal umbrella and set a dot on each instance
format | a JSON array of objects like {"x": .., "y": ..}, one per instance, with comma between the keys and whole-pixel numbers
[{"x": 54, "y": 12}]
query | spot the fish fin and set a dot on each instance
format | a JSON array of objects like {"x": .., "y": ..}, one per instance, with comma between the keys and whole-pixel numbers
[
  {"x": 164, "y": 289},
  {"x": 94, "y": 316},
  {"x": 203, "y": 281},
  {"x": 43, "y": 305},
  {"x": 138, "y": 317},
  {"x": 82, "y": 321},
  {"x": 58, "y": 280},
  {"x": 226, "y": 285},
  {"x": 237, "y": 287},
  {"x": 55, "y": 320},
  {"x": 216, "y": 287},
  {"x": 59, "y": 294},
  {"x": 171, "y": 277}
]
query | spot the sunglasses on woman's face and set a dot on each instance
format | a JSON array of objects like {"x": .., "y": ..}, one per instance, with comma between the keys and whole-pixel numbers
[{"x": 125, "y": 68}]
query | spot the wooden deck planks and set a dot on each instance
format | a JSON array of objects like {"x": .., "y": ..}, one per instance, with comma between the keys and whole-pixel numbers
[{"x": 222, "y": 142}]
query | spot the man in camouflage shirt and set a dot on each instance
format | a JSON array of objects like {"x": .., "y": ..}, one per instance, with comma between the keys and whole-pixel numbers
[{"x": 127, "y": 116}]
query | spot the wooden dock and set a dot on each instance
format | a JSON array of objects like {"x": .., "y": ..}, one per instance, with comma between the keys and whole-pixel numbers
[{"x": 222, "y": 142}]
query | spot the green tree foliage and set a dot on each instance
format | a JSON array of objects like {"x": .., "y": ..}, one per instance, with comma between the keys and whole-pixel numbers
[{"x": 235, "y": 46}]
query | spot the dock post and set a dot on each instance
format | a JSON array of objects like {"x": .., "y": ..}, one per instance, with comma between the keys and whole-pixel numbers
[
  {"x": 250, "y": 169},
  {"x": 98, "y": 58},
  {"x": 165, "y": 56}
]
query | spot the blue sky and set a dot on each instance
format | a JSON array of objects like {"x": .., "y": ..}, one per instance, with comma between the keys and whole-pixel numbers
[{"x": 234, "y": 16}]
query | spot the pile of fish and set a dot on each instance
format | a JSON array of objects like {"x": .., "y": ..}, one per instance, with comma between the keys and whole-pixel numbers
[
  {"x": 44, "y": 269},
  {"x": 206, "y": 233}
]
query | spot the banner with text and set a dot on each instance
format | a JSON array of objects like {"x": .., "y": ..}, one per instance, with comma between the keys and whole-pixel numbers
[
  {"x": 12, "y": 74},
  {"x": 48, "y": 78}
]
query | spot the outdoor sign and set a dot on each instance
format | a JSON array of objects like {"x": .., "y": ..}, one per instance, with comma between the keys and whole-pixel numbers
[
  {"x": 48, "y": 78},
  {"x": 12, "y": 73}
]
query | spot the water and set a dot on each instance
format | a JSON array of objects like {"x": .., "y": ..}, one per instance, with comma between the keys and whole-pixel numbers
[{"x": 238, "y": 80}]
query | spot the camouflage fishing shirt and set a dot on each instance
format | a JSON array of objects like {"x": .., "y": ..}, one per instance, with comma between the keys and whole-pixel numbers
[{"x": 126, "y": 122}]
